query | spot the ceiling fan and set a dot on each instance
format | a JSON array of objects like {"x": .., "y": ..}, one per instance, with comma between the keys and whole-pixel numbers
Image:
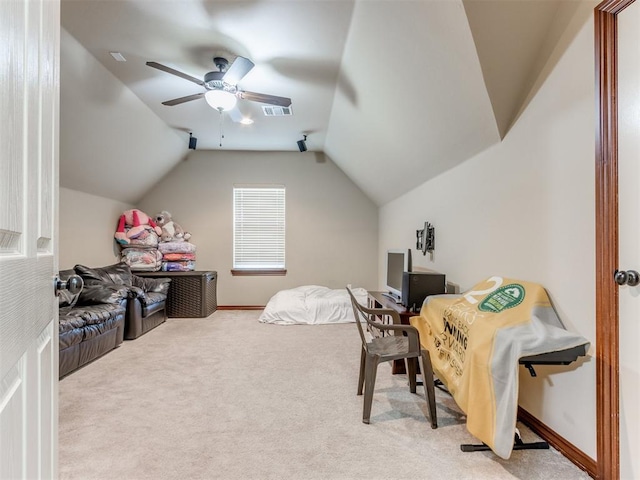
[{"x": 221, "y": 87}]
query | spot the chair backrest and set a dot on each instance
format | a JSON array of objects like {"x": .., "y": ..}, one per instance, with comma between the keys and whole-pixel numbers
[
  {"x": 359, "y": 315},
  {"x": 372, "y": 318}
]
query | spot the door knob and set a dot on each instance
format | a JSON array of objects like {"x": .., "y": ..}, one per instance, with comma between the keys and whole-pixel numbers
[
  {"x": 630, "y": 277},
  {"x": 73, "y": 284}
]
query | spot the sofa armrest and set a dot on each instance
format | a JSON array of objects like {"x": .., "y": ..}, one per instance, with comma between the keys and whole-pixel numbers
[
  {"x": 148, "y": 284},
  {"x": 104, "y": 293},
  {"x": 135, "y": 292}
]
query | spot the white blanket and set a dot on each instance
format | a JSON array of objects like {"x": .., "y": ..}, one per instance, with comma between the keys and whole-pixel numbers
[{"x": 311, "y": 305}]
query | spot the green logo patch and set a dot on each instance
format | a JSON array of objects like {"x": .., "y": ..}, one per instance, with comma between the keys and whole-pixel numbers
[{"x": 503, "y": 298}]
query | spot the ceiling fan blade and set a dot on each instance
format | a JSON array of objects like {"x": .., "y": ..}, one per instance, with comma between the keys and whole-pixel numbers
[
  {"x": 264, "y": 98},
  {"x": 235, "y": 115},
  {"x": 238, "y": 69},
  {"x": 170, "y": 70},
  {"x": 178, "y": 101}
]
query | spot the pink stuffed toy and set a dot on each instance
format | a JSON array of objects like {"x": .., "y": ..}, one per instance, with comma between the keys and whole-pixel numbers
[{"x": 133, "y": 224}]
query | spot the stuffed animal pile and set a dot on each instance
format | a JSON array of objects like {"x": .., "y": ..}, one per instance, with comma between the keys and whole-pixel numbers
[
  {"x": 138, "y": 236},
  {"x": 148, "y": 244},
  {"x": 178, "y": 255}
]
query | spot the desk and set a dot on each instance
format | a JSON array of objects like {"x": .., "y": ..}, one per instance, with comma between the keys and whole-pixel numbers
[{"x": 378, "y": 300}]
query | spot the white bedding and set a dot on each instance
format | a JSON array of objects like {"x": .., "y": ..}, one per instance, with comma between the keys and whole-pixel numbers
[{"x": 311, "y": 305}]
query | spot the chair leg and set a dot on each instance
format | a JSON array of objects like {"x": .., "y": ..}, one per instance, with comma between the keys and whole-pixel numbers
[
  {"x": 371, "y": 368},
  {"x": 363, "y": 359},
  {"x": 429, "y": 390},
  {"x": 411, "y": 373}
]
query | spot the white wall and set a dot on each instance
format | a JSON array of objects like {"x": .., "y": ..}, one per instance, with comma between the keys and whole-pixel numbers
[
  {"x": 332, "y": 227},
  {"x": 111, "y": 144},
  {"x": 87, "y": 225},
  {"x": 403, "y": 72},
  {"x": 524, "y": 209}
]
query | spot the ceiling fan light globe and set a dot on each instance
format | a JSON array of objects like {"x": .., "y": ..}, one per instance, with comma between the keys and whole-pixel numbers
[{"x": 220, "y": 100}]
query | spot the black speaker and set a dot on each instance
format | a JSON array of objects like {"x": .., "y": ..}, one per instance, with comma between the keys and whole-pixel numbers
[
  {"x": 302, "y": 145},
  {"x": 193, "y": 141},
  {"x": 416, "y": 286}
]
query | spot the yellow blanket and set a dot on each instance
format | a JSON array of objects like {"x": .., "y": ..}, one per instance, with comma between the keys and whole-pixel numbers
[{"x": 476, "y": 339}]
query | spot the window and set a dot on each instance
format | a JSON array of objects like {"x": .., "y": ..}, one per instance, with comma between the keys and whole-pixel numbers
[{"x": 258, "y": 230}]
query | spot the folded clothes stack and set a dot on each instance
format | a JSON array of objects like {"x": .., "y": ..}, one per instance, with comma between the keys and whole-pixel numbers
[{"x": 178, "y": 256}]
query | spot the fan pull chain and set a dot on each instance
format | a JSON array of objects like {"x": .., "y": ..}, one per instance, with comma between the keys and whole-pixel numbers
[{"x": 221, "y": 133}]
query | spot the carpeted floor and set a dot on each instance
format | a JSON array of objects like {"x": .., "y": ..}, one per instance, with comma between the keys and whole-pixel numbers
[{"x": 229, "y": 398}]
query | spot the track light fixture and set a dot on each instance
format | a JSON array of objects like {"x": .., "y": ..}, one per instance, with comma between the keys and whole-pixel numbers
[{"x": 302, "y": 144}]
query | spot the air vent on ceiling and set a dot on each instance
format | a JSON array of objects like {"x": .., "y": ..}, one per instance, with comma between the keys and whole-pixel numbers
[{"x": 271, "y": 111}]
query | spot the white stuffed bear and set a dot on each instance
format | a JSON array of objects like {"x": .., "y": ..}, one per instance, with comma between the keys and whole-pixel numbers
[{"x": 171, "y": 231}]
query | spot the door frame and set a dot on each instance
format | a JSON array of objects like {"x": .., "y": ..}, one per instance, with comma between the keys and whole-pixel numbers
[{"x": 606, "y": 203}]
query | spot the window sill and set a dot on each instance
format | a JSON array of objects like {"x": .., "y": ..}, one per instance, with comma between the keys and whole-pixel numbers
[{"x": 247, "y": 272}]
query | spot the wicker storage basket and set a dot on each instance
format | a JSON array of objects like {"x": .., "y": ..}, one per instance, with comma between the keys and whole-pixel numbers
[{"x": 191, "y": 294}]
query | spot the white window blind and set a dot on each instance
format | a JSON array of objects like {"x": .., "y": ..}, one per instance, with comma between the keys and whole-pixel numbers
[{"x": 258, "y": 227}]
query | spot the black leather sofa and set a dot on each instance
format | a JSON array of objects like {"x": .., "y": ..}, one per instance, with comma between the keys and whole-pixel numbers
[
  {"x": 145, "y": 307},
  {"x": 91, "y": 323}
]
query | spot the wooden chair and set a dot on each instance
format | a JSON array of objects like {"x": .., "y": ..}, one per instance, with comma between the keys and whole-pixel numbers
[{"x": 390, "y": 342}]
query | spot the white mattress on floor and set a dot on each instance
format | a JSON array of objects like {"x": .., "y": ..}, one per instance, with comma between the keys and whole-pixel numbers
[{"x": 311, "y": 305}]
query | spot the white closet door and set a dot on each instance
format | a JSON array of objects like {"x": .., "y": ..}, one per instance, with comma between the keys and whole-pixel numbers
[
  {"x": 29, "y": 92},
  {"x": 629, "y": 235}
]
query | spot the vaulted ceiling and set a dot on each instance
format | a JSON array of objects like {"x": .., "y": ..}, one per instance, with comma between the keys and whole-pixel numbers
[{"x": 394, "y": 92}]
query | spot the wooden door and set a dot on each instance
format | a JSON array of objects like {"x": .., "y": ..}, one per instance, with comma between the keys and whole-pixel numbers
[{"x": 29, "y": 92}]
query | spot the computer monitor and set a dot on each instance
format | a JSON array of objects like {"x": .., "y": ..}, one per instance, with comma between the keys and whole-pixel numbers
[{"x": 398, "y": 262}]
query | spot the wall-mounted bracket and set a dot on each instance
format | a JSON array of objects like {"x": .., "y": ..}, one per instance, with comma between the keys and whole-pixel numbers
[{"x": 425, "y": 238}]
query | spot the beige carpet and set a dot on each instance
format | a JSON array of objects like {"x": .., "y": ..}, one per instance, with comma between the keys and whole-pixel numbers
[{"x": 227, "y": 397}]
